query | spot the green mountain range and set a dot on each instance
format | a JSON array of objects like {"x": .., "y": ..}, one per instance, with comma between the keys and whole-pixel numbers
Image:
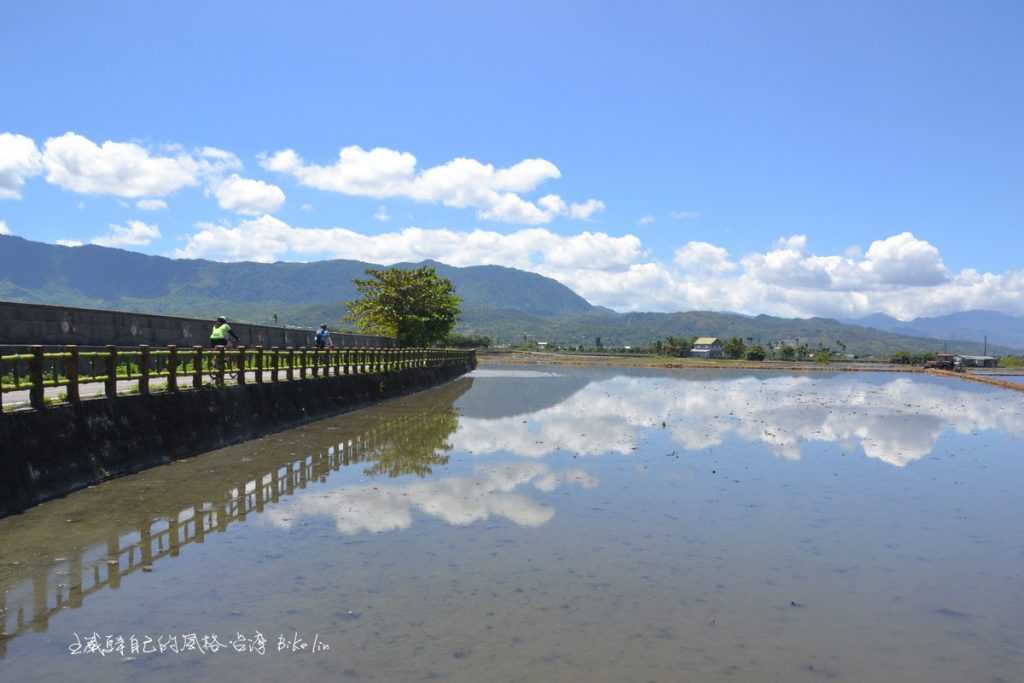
[{"x": 506, "y": 304}]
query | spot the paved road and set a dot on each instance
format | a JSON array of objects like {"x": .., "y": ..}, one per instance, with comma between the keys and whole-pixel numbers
[{"x": 16, "y": 400}]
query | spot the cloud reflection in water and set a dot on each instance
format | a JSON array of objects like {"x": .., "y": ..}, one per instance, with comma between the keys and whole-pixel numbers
[
  {"x": 896, "y": 420},
  {"x": 490, "y": 492}
]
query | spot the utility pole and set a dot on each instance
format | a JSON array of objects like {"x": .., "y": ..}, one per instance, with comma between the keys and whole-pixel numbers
[{"x": 986, "y": 346}]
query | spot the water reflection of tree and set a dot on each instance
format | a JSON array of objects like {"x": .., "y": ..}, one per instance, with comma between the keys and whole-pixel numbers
[{"x": 414, "y": 447}]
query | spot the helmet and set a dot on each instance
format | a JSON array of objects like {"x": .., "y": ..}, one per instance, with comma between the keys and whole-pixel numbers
[
  {"x": 221, "y": 319},
  {"x": 324, "y": 326}
]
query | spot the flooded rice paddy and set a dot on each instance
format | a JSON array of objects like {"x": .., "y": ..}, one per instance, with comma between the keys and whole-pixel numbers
[{"x": 553, "y": 524}]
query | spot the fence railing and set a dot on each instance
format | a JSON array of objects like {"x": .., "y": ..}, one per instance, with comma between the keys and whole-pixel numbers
[{"x": 113, "y": 370}]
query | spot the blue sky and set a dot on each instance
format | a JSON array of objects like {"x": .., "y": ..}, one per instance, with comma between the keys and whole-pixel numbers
[{"x": 844, "y": 125}]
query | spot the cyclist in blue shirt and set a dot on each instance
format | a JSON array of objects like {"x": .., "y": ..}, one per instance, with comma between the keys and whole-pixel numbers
[{"x": 323, "y": 338}]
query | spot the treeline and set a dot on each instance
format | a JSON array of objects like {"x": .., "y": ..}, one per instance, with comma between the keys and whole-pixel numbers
[
  {"x": 467, "y": 341},
  {"x": 738, "y": 348}
]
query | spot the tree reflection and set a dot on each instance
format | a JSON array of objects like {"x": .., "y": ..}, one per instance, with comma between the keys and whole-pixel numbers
[{"x": 414, "y": 447}]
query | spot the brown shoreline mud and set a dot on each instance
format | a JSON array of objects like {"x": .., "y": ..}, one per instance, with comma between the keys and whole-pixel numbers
[{"x": 1015, "y": 386}]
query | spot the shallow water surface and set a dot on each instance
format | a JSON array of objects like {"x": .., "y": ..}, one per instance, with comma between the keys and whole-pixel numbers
[{"x": 554, "y": 524}]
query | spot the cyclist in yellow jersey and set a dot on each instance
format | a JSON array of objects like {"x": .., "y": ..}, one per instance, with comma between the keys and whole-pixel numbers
[{"x": 220, "y": 333}]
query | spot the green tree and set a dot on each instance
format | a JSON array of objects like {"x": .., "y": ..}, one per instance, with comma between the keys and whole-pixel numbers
[
  {"x": 418, "y": 307},
  {"x": 735, "y": 348},
  {"x": 901, "y": 358},
  {"x": 787, "y": 352},
  {"x": 467, "y": 341},
  {"x": 676, "y": 346},
  {"x": 756, "y": 352}
]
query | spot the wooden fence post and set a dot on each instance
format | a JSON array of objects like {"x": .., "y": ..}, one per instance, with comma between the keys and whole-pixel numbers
[
  {"x": 197, "y": 367},
  {"x": 144, "y": 370},
  {"x": 36, "y": 393},
  {"x": 110, "y": 386},
  {"x": 259, "y": 365},
  {"x": 71, "y": 370},
  {"x": 291, "y": 363},
  {"x": 316, "y": 362},
  {"x": 302, "y": 363},
  {"x": 172, "y": 368},
  {"x": 241, "y": 364},
  {"x": 275, "y": 359},
  {"x": 222, "y": 358}
]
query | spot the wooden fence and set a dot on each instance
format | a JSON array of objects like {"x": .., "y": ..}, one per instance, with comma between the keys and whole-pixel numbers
[{"x": 131, "y": 370}]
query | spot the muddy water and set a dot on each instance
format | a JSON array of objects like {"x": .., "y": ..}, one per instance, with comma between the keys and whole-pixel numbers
[{"x": 555, "y": 524}]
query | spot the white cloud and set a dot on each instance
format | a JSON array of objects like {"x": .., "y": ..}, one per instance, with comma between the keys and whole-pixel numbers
[
  {"x": 307, "y": 207},
  {"x": 703, "y": 257},
  {"x": 247, "y": 196},
  {"x": 460, "y": 183},
  {"x": 268, "y": 239},
  {"x": 585, "y": 210},
  {"x": 4, "y": 230},
  {"x": 646, "y": 220},
  {"x": 685, "y": 215},
  {"x": 19, "y": 160},
  {"x": 126, "y": 169},
  {"x": 69, "y": 243},
  {"x": 905, "y": 260},
  {"x": 133, "y": 234},
  {"x": 381, "y": 214},
  {"x": 151, "y": 204},
  {"x": 617, "y": 272}
]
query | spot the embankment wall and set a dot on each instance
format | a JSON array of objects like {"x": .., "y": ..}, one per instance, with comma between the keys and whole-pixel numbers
[
  {"x": 52, "y": 452},
  {"x": 25, "y": 324}
]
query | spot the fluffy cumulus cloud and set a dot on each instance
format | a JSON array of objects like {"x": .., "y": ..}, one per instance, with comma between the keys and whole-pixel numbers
[
  {"x": 496, "y": 193},
  {"x": 704, "y": 257},
  {"x": 247, "y": 196},
  {"x": 132, "y": 234},
  {"x": 127, "y": 169},
  {"x": 4, "y": 230},
  {"x": 151, "y": 204},
  {"x": 267, "y": 239},
  {"x": 19, "y": 160},
  {"x": 901, "y": 275}
]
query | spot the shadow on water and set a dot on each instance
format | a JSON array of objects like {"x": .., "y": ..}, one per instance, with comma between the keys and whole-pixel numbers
[{"x": 408, "y": 436}]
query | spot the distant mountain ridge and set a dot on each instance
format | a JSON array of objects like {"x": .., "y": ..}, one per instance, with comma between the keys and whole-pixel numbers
[
  {"x": 114, "y": 278},
  {"x": 1001, "y": 329},
  {"x": 505, "y": 303}
]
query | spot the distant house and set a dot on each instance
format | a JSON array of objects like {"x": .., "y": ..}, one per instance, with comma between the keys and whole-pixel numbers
[
  {"x": 706, "y": 347},
  {"x": 978, "y": 361}
]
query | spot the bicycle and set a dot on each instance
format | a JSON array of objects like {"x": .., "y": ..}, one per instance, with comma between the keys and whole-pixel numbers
[{"x": 213, "y": 368}]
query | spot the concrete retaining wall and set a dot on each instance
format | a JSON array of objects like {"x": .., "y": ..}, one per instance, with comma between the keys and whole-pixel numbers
[
  {"x": 24, "y": 324},
  {"x": 49, "y": 453}
]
